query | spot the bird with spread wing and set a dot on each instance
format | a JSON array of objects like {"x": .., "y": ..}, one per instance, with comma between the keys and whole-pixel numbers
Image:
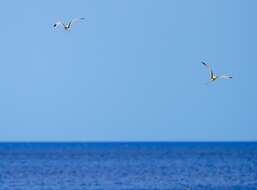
[
  {"x": 67, "y": 26},
  {"x": 214, "y": 77}
]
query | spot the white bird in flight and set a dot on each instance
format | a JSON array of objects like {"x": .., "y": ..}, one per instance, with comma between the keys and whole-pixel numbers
[
  {"x": 214, "y": 77},
  {"x": 67, "y": 26}
]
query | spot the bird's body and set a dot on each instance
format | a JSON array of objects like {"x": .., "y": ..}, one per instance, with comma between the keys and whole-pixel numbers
[
  {"x": 67, "y": 26},
  {"x": 214, "y": 77}
]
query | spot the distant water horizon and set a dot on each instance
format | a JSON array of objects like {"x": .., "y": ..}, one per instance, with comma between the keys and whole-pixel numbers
[{"x": 128, "y": 165}]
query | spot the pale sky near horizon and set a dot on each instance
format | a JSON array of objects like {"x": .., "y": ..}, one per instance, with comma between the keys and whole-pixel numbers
[{"x": 132, "y": 72}]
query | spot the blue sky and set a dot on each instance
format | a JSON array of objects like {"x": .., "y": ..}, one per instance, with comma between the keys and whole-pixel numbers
[{"x": 132, "y": 72}]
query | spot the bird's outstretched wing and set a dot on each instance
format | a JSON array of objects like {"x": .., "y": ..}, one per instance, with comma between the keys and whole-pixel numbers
[
  {"x": 225, "y": 77},
  {"x": 75, "y": 20},
  {"x": 58, "y": 24},
  {"x": 209, "y": 68}
]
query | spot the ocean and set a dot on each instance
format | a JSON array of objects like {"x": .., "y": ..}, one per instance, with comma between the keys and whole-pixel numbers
[{"x": 127, "y": 166}]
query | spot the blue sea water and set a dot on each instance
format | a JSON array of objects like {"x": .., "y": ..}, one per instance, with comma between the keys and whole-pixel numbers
[{"x": 118, "y": 166}]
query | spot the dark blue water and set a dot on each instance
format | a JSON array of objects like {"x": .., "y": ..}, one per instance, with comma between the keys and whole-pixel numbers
[{"x": 75, "y": 166}]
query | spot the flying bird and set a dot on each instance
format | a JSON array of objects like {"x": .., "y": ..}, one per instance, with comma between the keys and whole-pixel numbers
[
  {"x": 214, "y": 77},
  {"x": 67, "y": 26}
]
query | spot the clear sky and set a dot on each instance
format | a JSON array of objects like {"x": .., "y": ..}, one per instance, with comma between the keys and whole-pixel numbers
[{"x": 132, "y": 72}]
